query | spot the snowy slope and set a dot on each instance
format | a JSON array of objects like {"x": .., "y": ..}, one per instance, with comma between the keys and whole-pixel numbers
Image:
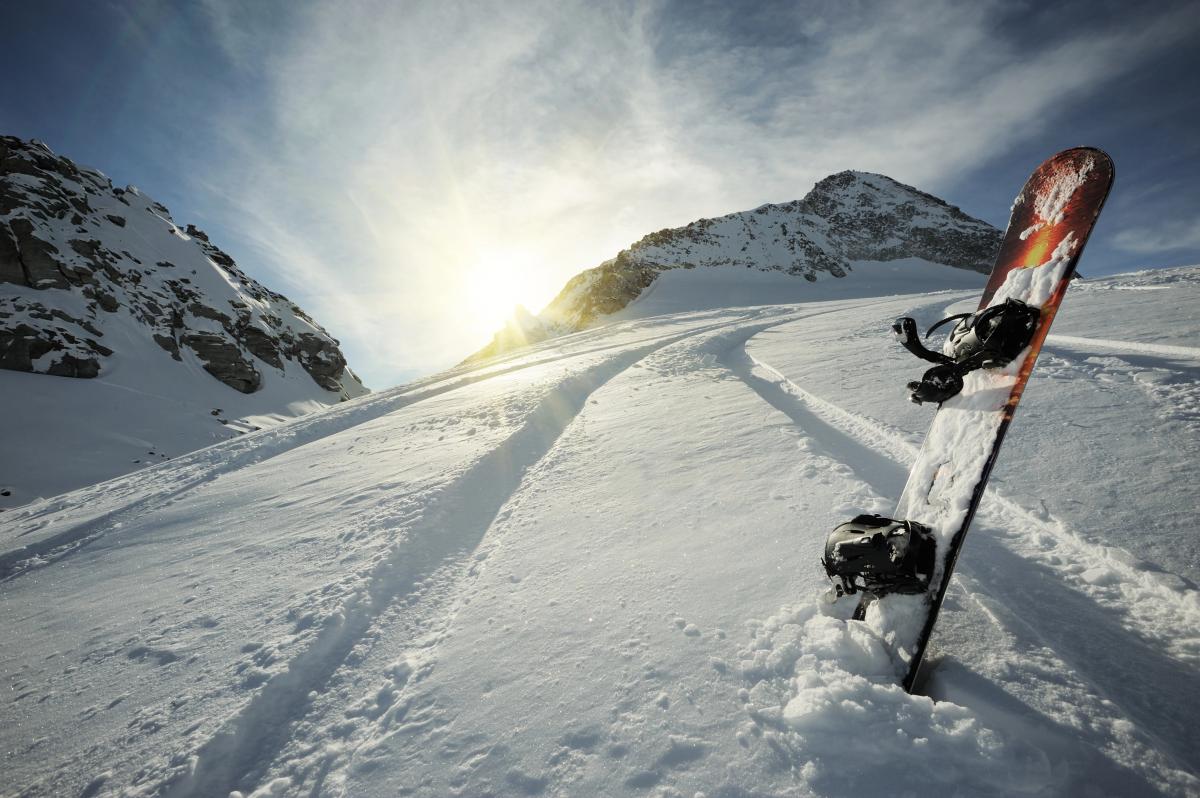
[
  {"x": 173, "y": 347},
  {"x": 591, "y": 568}
]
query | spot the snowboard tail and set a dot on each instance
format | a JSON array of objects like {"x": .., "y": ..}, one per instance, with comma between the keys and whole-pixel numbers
[{"x": 1051, "y": 220}]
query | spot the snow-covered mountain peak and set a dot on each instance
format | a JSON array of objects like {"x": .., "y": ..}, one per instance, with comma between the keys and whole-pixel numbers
[
  {"x": 847, "y": 218},
  {"x": 841, "y": 195}
]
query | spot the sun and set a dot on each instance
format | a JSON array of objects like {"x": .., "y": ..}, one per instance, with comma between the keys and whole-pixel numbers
[{"x": 495, "y": 285}]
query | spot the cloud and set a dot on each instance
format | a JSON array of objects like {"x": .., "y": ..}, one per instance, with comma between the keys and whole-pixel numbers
[
  {"x": 1166, "y": 236},
  {"x": 393, "y": 149}
]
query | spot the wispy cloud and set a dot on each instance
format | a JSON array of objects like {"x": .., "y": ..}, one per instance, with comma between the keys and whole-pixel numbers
[
  {"x": 400, "y": 148},
  {"x": 1166, "y": 236}
]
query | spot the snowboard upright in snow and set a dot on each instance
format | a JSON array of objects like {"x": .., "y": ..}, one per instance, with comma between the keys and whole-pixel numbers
[{"x": 1051, "y": 220}]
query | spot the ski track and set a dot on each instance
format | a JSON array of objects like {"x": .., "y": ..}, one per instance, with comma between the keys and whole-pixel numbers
[
  {"x": 428, "y": 622},
  {"x": 1104, "y": 344},
  {"x": 428, "y": 617},
  {"x": 196, "y": 469},
  {"x": 1116, "y": 595},
  {"x": 450, "y": 530},
  {"x": 228, "y": 760}
]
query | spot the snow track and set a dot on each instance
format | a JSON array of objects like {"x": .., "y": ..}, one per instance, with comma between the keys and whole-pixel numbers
[
  {"x": 451, "y": 528},
  {"x": 156, "y": 486},
  {"x": 430, "y": 615},
  {"x": 1159, "y": 606},
  {"x": 1104, "y": 345}
]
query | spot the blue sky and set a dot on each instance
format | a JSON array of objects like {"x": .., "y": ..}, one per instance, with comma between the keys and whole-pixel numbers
[{"x": 404, "y": 170}]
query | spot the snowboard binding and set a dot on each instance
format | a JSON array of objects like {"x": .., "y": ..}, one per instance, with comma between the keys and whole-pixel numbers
[
  {"x": 879, "y": 556},
  {"x": 989, "y": 338}
]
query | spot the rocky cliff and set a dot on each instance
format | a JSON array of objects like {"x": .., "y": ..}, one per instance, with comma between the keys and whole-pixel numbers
[
  {"x": 847, "y": 217},
  {"x": 85, "y": 264}
]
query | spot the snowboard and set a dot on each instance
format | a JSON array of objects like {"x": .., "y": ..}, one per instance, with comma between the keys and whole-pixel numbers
[{"x": 1050, "y": 223}]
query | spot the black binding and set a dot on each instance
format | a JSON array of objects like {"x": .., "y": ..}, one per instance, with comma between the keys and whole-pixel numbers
[
  {"x": 879, "y": 556},
  {"x": 990, "y": 338}
]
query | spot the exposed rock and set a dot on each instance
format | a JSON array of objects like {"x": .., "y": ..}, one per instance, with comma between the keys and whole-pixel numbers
[
  {"x": 264, "y": 346},
  {"x": 70, "y": 366},
  {"x": 24, "y": 347},
  {"x": 168, "y": 343},
  {"x": 20, "y": 345},
  {"x": 37, "y": 256},
  {"x": 11, "y": 270},
  {"x": 611, "y": 286},
  {"x": 321, "y": 359},
  {"x": 202, "y": 311},
  {"x": 224, "y": 360}
]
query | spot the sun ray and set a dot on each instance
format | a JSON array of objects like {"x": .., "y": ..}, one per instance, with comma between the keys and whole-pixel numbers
[{"x": 497, "y": 283}]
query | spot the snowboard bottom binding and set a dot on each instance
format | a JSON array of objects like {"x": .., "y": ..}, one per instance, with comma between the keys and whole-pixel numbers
[
  {"x": 989, "y": 338},
  {"x": 879, "y": 556}
]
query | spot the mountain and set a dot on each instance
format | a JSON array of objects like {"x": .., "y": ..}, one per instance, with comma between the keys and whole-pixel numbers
[
  {"x": 173, "y": 344},
  {"x": 592, "y": 569},
  {"x": 847, "y": 218}
]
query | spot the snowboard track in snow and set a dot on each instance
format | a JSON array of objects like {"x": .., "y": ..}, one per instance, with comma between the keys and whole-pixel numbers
[
  {"x": 452, "y": 526},
  {"x": 208, "y": 464},
  {"x": 879, "y": 440}
]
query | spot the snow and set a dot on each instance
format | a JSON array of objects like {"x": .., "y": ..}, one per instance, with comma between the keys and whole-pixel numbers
[
  {"x": 1050, "y": 203},
  {"x": 143, "y": 409},
  {"x": 591, "y": 568},
  {"x": 680, "y": 290}
]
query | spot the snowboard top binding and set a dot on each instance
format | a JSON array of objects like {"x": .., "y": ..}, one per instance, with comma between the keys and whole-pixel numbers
[
  {"x": 989, "y": 338},
  {"x": 878, "y": 555}
]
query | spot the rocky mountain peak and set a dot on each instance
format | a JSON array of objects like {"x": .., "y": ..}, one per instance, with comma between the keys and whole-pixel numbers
[{"x": 85, "y": 265}]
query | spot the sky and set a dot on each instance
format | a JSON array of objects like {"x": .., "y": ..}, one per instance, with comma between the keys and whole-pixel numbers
[{"x": 408, "y": 171}]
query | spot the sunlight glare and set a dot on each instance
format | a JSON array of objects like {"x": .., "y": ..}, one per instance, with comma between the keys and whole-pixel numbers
[{"x": 499, "y": 282}]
